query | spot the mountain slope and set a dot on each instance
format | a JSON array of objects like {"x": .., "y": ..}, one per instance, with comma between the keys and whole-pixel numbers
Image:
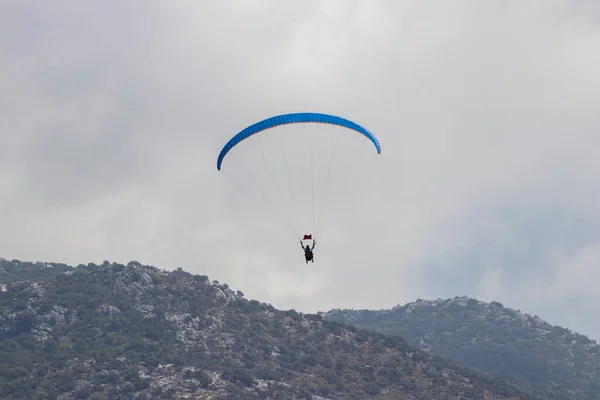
[
  {"x": 492, "y": 338},
  {"x": 115, "y": 331}
]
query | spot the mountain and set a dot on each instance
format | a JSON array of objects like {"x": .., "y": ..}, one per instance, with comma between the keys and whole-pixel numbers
[
  {"x": 530, "y": 352},
  {"x": 114, "y": 331}
]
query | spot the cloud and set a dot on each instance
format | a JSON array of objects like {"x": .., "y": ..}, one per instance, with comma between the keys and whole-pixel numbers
[{"x": 112, "y": 118}]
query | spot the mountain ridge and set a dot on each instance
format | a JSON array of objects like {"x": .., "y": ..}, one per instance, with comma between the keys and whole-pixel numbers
[
  {"x": 491, "y": 338},
  {"x": 136, "y": 332}
]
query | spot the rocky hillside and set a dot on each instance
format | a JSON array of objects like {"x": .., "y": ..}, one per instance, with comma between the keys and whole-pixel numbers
[
  {"x": 492, "y": 338},
  {"x": 115, "y": 331}
]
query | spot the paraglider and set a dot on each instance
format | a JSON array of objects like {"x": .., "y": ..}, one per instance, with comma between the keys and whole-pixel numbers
[
  {"x": 308, "y": 251},
  {"x": 301, "y": 118}
]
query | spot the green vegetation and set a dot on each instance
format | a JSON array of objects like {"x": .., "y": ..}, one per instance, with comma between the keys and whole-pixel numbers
[
  {"x": 115, "y": 331},
  {"x": 547, "y": 360}
]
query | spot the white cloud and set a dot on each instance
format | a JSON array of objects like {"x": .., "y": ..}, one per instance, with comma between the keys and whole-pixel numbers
[{"x": 487, "y": 114}]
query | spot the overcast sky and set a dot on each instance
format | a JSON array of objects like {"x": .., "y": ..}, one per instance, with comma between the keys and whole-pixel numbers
[{"x": 112, "y": 115}]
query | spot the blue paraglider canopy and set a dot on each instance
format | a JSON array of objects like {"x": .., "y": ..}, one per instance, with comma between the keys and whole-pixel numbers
[{"x": 294, "y": 118}]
